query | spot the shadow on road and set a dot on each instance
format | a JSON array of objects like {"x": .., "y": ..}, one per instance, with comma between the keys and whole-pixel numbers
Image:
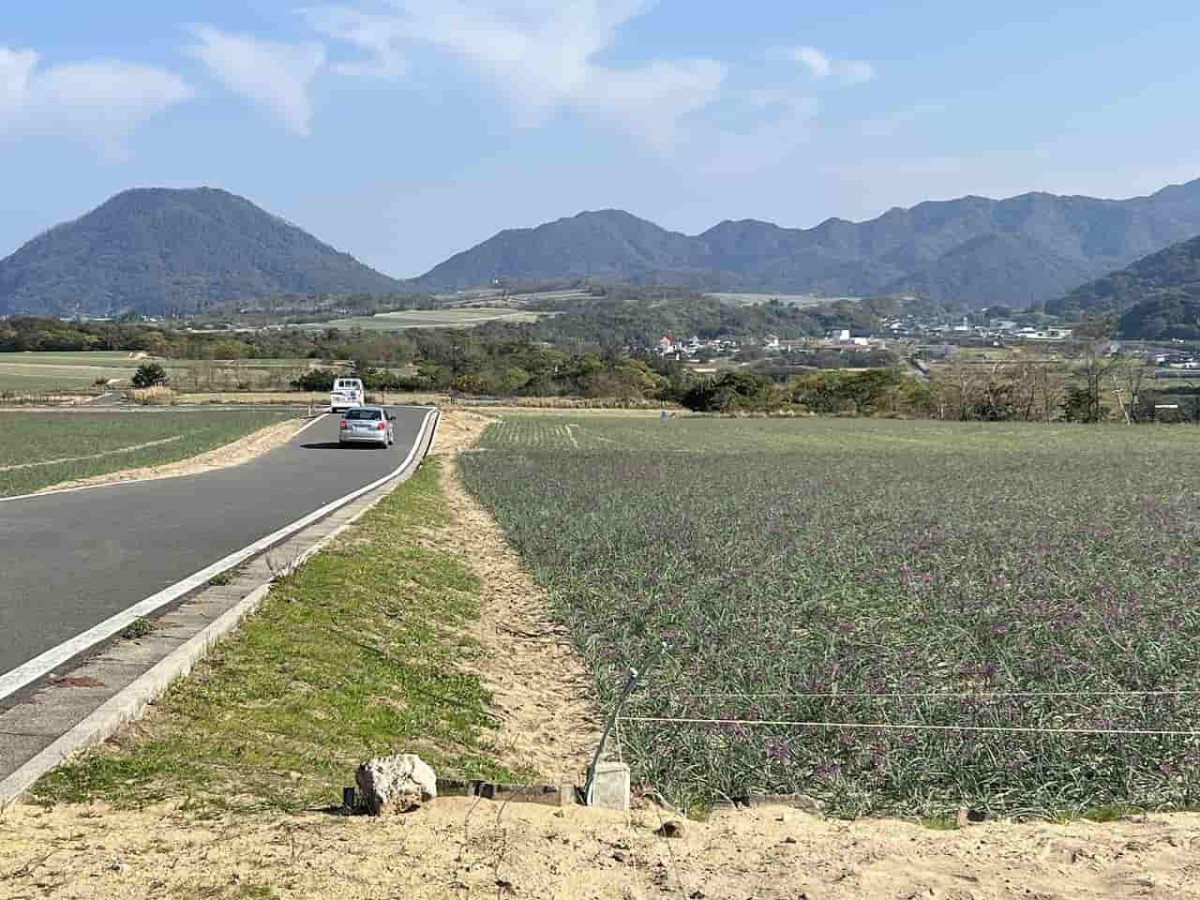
[{"x": 335, "y": 445}]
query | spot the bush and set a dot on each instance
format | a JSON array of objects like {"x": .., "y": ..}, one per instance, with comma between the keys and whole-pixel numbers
[
  {"x": 149, "y": 375},
  {"x": 316, "y": 380},
  {"x": 737, "y": 390}
]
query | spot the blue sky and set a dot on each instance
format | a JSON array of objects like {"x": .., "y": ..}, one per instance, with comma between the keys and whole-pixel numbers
[{"x": 406, "y": 130}]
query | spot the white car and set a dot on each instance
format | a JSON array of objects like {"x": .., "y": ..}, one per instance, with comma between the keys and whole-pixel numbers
[{"x": 347, "y": 393}]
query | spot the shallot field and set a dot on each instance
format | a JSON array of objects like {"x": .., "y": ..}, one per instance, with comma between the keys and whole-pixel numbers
[{"x": 888, "y": 617}]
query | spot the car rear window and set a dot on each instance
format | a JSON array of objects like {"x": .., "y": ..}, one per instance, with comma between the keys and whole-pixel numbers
[{"x": 363, "y": 414}]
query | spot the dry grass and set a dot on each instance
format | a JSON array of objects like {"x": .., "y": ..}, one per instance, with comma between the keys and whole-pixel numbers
[{"x": 154, "y": 396}]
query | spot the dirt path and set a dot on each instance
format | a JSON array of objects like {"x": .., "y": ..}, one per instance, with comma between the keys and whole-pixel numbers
[
  {"x": 543, "y": 694},
  {"x": 459, "y": 848},
  {"x": 240, "y": 451}
]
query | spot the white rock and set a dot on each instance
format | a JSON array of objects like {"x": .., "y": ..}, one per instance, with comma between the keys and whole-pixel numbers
[{"x": 395, "y": 783}]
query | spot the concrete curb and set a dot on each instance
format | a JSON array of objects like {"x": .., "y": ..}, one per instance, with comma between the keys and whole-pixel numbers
[{"x": 129, "y": 704}]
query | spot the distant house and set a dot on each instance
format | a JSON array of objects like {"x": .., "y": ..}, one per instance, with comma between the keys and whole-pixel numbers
[{"x": 1045, "y": 334}]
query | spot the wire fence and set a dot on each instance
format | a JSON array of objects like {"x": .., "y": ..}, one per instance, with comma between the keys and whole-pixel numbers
[
  {"x": 948, "y": 695},
  {"x": 907, "y": 726},
  {"x": 758, "y": 720},
  {"x": 1024, "y": 752}
]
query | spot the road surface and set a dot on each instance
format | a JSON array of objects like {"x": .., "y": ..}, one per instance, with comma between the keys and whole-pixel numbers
[{"x": 69, "y": 561}]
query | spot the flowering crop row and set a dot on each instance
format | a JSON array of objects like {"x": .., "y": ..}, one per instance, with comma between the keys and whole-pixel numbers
[{"x": 810, "y": 570}]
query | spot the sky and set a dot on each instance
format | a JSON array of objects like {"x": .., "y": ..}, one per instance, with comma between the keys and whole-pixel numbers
[{"x": 403, "y": 131}]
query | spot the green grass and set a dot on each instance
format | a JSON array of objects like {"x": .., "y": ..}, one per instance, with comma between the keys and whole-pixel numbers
[
  {"x": 425, "y": 318},
  {"x": 97, "y": 442},
  {"x": 803, "y": 570},
  {"x": 355, "y": 655}
]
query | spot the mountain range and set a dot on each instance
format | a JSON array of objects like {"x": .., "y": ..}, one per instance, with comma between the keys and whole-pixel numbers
[
  {"x": 1019, "y": 252},
  {"x": 1156, "y": 298},
  {"x": 156, "y": 250}
]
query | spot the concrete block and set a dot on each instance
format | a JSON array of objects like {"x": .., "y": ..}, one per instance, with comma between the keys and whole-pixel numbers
[
  {"x": 545, "y": 794},
  {"x": 456, "y": 787},
  {"x": 610, "y": 787}
]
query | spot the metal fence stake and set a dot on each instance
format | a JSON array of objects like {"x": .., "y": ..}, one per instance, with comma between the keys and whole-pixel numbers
[{"x": 631, "y": 679}]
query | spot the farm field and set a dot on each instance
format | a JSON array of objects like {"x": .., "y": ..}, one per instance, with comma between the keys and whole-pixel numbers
[
  {"x": 39, "y": 373},
  {"x": 894, "y": 617},
  {"x": 801, "y": 300},
  {"x": 38, "y": 450},
  {"x": 402, "y": 320}
]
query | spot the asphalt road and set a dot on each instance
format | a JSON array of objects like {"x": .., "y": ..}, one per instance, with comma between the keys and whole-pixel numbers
[{"x": 69, "y": 561}]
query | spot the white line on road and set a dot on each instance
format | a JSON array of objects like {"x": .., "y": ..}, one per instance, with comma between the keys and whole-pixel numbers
[
  {"x": 127, "y": 482},
  {"x": 305, "y": 428},
  {"x": 67, "y": 459},
  {"x": 47, "y": 662}
]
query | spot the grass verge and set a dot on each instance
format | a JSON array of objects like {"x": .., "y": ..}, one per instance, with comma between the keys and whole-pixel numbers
[
  {"x": 357, "y": 654},
  {"x": 39, "y": 450}
]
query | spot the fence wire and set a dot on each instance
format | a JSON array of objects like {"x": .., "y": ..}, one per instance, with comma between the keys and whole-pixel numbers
[
  {"x": 911, "y": 726},
  {"x": 916, "y": 695}
]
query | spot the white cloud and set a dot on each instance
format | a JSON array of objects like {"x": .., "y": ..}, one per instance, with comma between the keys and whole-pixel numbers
[
  {"x": 101, "y": 102},
  {"x": 821, "y": 65},
  {"x": 817, "y": 63},
  {"x": 380, "y": 37},
  {"x": 278, "y": 76},
  {"x": 540, "y": 54}
]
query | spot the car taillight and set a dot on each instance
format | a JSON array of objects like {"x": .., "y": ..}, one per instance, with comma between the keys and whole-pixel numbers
[
  {"x": 345, "y": 424},
  {"x": 382, "y": 426}
]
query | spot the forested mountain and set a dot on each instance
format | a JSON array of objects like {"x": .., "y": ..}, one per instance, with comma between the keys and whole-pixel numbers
[
  {"x": 156, "y": 250},
  {"x": 177, "y": 251},
  {"x": 1026, "y": 249},
  {"x": 1157, "y": 297}
]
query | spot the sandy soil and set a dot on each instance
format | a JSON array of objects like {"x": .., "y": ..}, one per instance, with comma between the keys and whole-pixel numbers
[
  {"x": 460, "y": 848},
  {"x": 548, "y": 721},
  {"x": 240, "y": 451}
]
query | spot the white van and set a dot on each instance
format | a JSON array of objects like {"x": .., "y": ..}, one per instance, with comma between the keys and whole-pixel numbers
[{"x": 347, "y": 394}]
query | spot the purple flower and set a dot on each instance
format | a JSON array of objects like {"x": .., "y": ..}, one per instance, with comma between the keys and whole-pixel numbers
[{"x": 777, "y": 750}]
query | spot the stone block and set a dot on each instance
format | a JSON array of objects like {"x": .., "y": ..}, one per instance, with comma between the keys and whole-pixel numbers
[{"x": 610, "y": 787}]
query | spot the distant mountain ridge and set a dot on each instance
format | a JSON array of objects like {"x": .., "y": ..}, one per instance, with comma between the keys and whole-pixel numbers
[
  {"x": 155, "y": 250},
  {"x": 1155, "y": 298},
  {"x": 1020, "y": 251}
]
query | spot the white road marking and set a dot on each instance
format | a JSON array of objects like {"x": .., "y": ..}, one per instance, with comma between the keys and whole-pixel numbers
[
  {"x": 67, "y": 459},
  {"x": 113, "y": 484},
  {"x": 47, "y": 662},
  {"x": 310, "y": 425}
]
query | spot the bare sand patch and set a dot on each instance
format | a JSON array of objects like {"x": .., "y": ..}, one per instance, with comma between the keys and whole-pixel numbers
[
  {"x": 543, "y": 695},
  {"x": 243, "y": 450},
  {"x": 457, "y": 847}
]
